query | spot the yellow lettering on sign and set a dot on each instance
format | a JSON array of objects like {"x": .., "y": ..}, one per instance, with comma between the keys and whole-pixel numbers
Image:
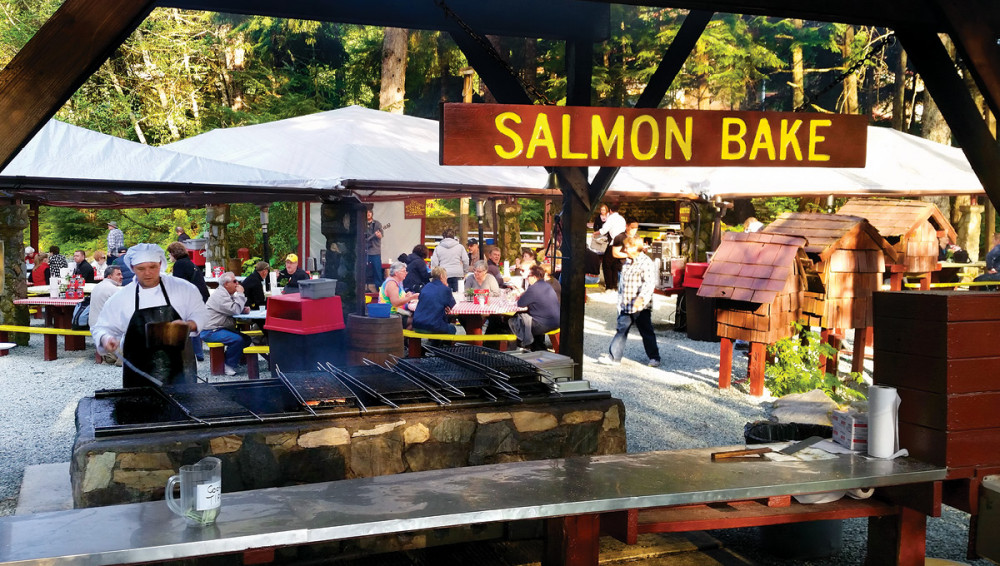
[
  {"x": 541, "y": 136},
  {"x": 566, "y": 152},
  {"x": 815, "y": 139},
  {"x": 654, "y": 138},
  {"x": 503, "y": 129},
  {"x": 599, "y": 137},
  {"x": 728, "y": 138},
  {"x": 672, "y": 132},
  {"x": 763, "y": 140},
  {"x": 788, "y": 137}
]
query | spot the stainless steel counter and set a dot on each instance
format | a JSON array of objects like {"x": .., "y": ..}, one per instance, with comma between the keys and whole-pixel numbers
[{"x": 440, "y": 498}]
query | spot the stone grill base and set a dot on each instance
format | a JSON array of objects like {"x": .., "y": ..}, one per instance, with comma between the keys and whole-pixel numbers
[{"x": 135, "y": 467}]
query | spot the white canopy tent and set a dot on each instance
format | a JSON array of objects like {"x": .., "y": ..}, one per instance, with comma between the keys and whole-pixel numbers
[
  {"x": 65, "y": 152},
  {"x": 898, "y": 164}
]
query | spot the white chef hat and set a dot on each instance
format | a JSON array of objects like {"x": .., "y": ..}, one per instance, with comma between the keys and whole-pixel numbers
[{"x": 143, "y": 253}]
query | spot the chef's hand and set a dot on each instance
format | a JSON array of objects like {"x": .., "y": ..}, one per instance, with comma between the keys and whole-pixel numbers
[{"x": 110, "y": 343}]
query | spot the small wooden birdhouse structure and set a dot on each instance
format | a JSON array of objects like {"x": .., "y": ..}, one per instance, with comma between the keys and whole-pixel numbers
[
  {"x": 762, "y": 283},
  {"x": 911, "y": 226},
  {"x": 850, "y": 256}
]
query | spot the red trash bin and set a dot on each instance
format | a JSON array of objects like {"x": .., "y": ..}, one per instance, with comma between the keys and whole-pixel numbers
[{"x": 243, "y": 254}]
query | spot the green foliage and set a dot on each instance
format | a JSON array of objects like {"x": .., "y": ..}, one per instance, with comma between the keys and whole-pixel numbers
[
  {"x": 244, "y": 230},
  {"x": 796, "y": 368},
  {"x": 767, "y": 209}
]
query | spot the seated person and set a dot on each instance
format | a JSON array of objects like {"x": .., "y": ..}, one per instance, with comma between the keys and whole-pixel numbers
[
  {"x": 493, "y": 266},
  {"x": 291, "y": 274},
  {"x": 480, "y": 278},
  {"x": 416, "y": 269},
  {"x": 543, "y": 311},
  {"x": 992, "y": 270},
  {"x": 436, "y": 300},
  {"x": 392, "y": 291},
  {"x": 226, "y": 301}
]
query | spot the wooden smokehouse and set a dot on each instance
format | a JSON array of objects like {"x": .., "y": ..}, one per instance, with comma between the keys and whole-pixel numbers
[
  {"x": 912, "y": 227},
  {"x": 762, "y": 283},
  {"x": 850, "y": 256}
]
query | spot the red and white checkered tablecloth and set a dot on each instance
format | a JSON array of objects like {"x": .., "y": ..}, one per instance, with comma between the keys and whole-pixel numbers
[
  {"x": 48, "y": 301},
  {"x": 495, "y": 306}
]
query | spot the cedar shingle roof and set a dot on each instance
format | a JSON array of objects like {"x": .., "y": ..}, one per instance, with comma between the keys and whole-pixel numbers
[
  {"x": 827, "y": 232},
  {"x": 751, "y": 267},
  {"x": 898, "y": 217}
]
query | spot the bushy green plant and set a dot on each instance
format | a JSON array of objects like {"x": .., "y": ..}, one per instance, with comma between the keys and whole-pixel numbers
[{"x": 796, "y": 369}]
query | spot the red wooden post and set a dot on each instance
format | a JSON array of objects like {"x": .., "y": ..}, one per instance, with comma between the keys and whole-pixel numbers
[
  {"x": 49, "y": 350},
  {"x": 824, "y": 337},
  {"x": 896, "y": 281},
  {"x": 755, "y": 369},
  {"x": 725, "y": 363},
  {"x": 572, "y": 541},
  {"x": 4, "y": 337},
  {"x": 925, "y": 282},
  {"x": 898, "y": 539},
  {"x": 858, "y": 356},
  {"x": 832, "y": 363},
  {"x": 217, "y": 360}
]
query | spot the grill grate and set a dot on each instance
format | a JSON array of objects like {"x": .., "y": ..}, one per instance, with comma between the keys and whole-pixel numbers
[
  {"x": 320, "y": 388},
  {"x": 447, "y": 371},
  {"x": 204, "y": 401},
  {"x": 511, "y": 366}
]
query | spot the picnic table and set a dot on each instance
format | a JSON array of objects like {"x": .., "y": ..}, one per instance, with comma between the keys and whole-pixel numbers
[
  {"x": 58, "y": 314},
  {"x": 44, "y": 289},
  {"x": 472, "y": 316}
]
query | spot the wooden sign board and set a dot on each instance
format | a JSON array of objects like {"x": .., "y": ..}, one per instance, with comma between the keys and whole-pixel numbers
[
  {"x": 415, "y": 208},
  {"x": 574, "y": 136}
]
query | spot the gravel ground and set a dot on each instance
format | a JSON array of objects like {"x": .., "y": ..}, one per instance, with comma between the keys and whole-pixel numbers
[{"x": 672, "y": 407}]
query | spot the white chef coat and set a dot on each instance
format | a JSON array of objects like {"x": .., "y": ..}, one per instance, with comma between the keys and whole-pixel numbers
[{"x": 184, "y": 298}]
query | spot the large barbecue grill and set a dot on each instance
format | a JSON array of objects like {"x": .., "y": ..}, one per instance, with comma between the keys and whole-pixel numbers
[{"x": 464, "y": 375}]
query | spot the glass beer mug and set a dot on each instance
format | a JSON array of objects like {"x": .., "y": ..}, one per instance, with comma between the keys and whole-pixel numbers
[{"x": 201, "y": 492}]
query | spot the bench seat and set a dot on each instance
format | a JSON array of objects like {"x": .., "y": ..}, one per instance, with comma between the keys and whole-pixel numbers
[
  {"x": 49, "y": 351},
  {"x": 416, "y": 350},
  {"x": 217, "y": 358}
]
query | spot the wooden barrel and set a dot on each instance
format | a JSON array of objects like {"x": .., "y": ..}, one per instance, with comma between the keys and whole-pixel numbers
[{"x": 375, "y": 339}]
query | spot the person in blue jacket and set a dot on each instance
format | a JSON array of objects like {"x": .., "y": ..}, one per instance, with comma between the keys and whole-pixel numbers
[{"x": 436, "y": 300}]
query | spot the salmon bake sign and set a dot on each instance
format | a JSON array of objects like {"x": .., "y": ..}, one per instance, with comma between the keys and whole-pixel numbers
[{"x": 500, "y": 134}]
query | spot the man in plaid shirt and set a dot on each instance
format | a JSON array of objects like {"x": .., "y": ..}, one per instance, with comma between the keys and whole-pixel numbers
[{"x": 635, "y": 304}]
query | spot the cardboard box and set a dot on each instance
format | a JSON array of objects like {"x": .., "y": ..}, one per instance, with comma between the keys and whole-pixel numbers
[{"x": 850, "y": 429}]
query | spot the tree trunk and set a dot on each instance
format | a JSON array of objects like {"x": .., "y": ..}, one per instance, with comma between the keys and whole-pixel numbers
[
  {"x": 798, "y": 71},
  {"x": 899, "y": 93},
  {"x": 392, "y": 93},
  {"x": 850, "y": 95}
]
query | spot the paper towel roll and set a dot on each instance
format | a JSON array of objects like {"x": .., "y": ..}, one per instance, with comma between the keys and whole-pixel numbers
[
  {"x": 883, "y": 421},
  {"x": 273, "y": 276}
]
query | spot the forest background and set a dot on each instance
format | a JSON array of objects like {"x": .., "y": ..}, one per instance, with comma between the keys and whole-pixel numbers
[{"x": 182, "y": 73}]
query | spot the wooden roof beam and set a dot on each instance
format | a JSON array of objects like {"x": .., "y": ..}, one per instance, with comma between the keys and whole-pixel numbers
[
  {"x": 938, "y": 71},
  {"x": 673, "y": 60},
  {"x": 46, "y": 72},
  {"x": 977, "y": 40}
]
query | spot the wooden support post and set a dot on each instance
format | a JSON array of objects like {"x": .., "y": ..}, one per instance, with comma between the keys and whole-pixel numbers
[
  {"x": 898, "y": 539},
  {"x": 833, "y": 363},
  {"x": 725, "y": 363},
  {"x": 572, "y": 541},
  {"x": 49, "y": 349},
  {"x": 925, "y": 282},
  {"x": 896, "y": 281},
  {"x": 824, "y": 337},
  {"x": 755, "y": 369},
  {"x": 858, "y": 356}
]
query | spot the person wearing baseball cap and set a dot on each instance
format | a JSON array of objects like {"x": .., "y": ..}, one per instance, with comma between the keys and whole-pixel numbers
[{"x": 292, "y": 274}]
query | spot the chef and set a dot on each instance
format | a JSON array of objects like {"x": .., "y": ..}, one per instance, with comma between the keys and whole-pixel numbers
[{"x": 152, "y": 297}]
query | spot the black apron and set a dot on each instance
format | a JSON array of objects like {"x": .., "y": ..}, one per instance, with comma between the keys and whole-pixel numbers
[{"x": 169, "y": 364}]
